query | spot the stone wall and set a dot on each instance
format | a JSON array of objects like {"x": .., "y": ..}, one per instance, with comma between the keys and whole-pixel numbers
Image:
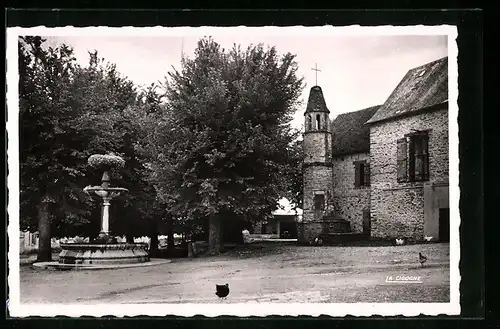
[
  {"x": 397, "y": 209},
  {"x": 349, "y": 201},
  {"x": 308, "y": 231},
  {"x": 317, "y": 179},
  {"x": 317, "y": 147},
  {"x": 398, "y": 213}
]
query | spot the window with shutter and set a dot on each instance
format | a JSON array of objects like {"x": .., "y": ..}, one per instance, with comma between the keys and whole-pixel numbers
[
  {"x": 357, "y": 174},
  {"x": 367, "y": 174},
  {"x": 411, "y": 159},
  {"x": 420, "y": 158},
  {"x": 402, "y": 160},
  {"x": 425, "y": 157},
  {"x": 418, "y": 163},
  {"x": 361, "y": 173}
]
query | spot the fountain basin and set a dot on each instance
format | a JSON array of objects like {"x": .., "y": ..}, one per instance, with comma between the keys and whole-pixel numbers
[
  {"x": 333, "y": 224},
  {"x": 103, "y": 254},
  {"x": 104, "y": 191}
]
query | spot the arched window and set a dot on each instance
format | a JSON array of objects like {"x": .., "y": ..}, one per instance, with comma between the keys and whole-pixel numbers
[
  {"x": 318, "y": 122},
  {"x": 309, "y": 123}
]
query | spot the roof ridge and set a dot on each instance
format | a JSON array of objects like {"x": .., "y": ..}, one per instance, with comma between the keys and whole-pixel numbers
[
  {"x": 356, "y": 111},
  {"x": 428, "y": 64}
]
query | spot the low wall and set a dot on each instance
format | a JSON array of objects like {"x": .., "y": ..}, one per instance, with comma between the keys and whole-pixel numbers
[
  {"x": 325, "y": 230},
  {"x": 264, "y": 236}
]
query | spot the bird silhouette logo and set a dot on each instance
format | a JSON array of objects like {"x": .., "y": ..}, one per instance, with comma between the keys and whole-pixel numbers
[{"x": 222, "y": 290}]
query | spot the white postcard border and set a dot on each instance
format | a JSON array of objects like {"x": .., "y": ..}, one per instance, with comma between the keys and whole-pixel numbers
[{"x": 16, "y": 309}]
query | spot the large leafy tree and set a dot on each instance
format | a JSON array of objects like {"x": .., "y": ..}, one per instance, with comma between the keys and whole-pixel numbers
[
  {"x": 67, "y": 113},
  {"x": 224, "y": 145},
  {"x": 151, "y": 116},
  {"x": 47, "y": 178},
  {"x": 45, "y": 123}
]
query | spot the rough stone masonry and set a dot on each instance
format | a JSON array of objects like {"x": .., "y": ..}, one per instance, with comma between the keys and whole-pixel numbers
[{"x": 397, "y": 209}]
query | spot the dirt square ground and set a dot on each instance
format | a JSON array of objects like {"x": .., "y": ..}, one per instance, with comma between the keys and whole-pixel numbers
[{"x": 259, "y": 273}]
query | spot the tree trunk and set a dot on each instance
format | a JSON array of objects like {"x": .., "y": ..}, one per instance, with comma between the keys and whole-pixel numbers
[
  {"x": 44, "y": 247},
  {"x": 170, "y": 235},
  {"x": 214, "y": 235},
  {"x": 153, "y": 248},
  {"x": 129, "y": 237}
]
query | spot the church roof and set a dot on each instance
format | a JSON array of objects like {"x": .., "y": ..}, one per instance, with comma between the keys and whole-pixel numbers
[
  {"x": 349, "y": 132},
  {"x": 316, "y": 101},
  {"x": 422, "y": 87}
]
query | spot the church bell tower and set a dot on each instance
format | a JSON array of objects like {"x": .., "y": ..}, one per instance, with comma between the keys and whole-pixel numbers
[{"x": 317, "y": 165}]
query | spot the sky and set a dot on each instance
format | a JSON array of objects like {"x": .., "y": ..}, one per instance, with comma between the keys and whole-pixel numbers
[{"x": 356, "y": 71}]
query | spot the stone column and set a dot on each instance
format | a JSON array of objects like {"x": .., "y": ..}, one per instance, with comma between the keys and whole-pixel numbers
[
  {"x": 105, "y": 204},
  {"x": 105, "y": 215}
]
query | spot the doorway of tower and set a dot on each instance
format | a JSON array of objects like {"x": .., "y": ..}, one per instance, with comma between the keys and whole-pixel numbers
[
  {"x": 319, "y": 205},
  {"x": 444, "y": 224}
]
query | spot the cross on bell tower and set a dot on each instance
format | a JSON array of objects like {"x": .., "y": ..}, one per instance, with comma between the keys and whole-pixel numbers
[{"x": 317, "y": 70}]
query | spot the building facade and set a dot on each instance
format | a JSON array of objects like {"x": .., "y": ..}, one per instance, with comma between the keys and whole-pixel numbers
[{"x": 383, "y": 169}]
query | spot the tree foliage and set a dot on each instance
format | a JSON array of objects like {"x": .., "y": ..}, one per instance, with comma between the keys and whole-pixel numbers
[
  {"x": 224, "y": 144},
  {"x": 67, "y": 113},
  {"x": 216, "y": 143},
  {"x": 293, "y": 174}
]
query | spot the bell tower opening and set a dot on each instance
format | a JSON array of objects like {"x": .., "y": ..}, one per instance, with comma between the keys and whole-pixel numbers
[{"x": 318, "y": 122}]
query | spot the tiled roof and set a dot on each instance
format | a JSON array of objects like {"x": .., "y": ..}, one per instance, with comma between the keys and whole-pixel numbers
[
  {"x": 316, "y": 101},
  {"x": 422, "y": 87},
  {"x": 349, "y": 132}
]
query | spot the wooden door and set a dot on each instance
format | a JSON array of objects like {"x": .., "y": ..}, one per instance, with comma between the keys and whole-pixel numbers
[
  {"x": 444, "y": 224},
  {"x": 366, "y": 221}
]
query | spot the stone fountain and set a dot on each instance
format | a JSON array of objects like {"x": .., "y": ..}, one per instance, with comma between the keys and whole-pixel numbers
[{"x": 104, "y": 249}]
